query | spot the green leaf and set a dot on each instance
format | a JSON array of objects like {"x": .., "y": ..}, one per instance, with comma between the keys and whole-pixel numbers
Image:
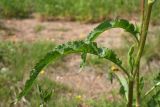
[
  {"x": 40, "y": 91},
  {"x": 141, "y": 84},
  {"x": 123, "y": 83},
  {"x": 111, "y": 76},
  {"x": 155, "y": 100},
  {"x": 131, "y": 58},
  {"x": 48, "y": 94},
  {"x": 83, "y": 57},
  {"x": 152, "y": 103},
  {"x": 45, "y": 95},
  {"x": 117, "y": 23},
  {"x": 122, "y": 91},
  {"x": 64, "y": 49},
  {"x": 157, "y": 79}
]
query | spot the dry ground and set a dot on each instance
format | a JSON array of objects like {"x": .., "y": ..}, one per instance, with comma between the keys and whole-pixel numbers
[{"x": 56, "y": 31}]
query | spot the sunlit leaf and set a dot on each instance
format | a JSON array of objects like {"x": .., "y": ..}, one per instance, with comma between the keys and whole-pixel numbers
[
  {"x": 117, "y": 23},
  {"x": 64, "y": 49}
]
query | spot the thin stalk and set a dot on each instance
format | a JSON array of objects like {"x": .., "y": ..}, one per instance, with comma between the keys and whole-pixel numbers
[
  {"x": 138, "y": 94},
  {"x": 125, "y": 71},
  {"x": 152, "y": 89},
  {"x": 130, "y": 93},
  {"x": 137, "y": 77},
  {"x": 144, "y": 32},
  {"x": 142, "y": 13},
  {"x": 143, "y": 37}
]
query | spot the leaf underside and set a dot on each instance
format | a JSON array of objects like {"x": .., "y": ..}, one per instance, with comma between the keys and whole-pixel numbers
[
  {"x": 123, "y": 82},
  {"x": 64, "y": 49}
]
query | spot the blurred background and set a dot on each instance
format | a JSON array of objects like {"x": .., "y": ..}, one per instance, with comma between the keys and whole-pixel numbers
[{"x": 30, "y": 28}]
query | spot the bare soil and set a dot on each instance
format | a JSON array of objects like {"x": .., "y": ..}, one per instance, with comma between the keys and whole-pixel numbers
[{"x": 57, "y": 31}]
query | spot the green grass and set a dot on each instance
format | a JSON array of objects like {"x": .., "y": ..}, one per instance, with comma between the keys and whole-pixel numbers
[
  {"x": 16, "y": 60},
  {"x": 16, "y": 8},
  {"x": 81, "y": 10},
  {"x": 20, "y": 57},
  {"x": 38, "y": 28}
]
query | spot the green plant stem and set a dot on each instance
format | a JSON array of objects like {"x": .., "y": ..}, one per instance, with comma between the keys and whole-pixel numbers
[
  {"x": 130, "y": 93},
  {"x": 142, "y": 13},
  {"x": 125, "y": 71},
  {"x": 143, "y": 35},
  {"x": 138, "y": 96},
  {"x": 143, "y": 38},
  {"x": 144, "y": 31}
]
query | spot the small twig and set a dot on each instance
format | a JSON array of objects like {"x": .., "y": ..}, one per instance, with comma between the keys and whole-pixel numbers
[{"x": 152, "y": 89}]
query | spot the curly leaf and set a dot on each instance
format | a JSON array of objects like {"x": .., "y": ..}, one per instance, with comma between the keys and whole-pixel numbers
[
  {"x": 117, "y": 23},
  {"x": 131, "y": 58},
  {"x": 64, "y": 49}
]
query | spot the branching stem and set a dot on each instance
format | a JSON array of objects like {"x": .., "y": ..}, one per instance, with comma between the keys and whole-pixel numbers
[
  {"x": 143, "y": 36},
  {"x": 137, "y": 77}
]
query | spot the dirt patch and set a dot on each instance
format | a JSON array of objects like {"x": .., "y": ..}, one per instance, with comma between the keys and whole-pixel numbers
[{"x": 58, "y": 32}]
